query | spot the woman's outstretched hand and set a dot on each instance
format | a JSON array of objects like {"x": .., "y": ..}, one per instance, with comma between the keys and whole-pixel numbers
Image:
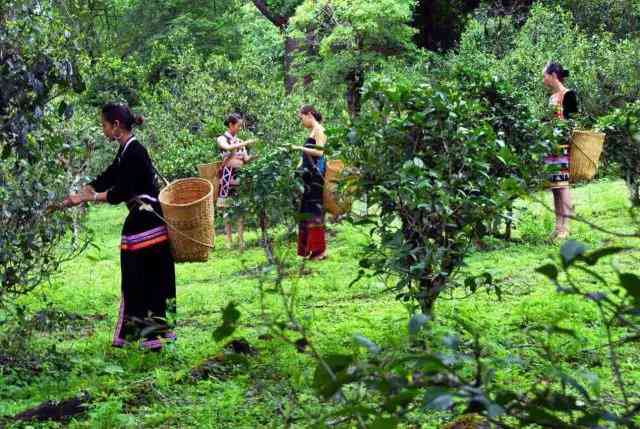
[{"x": 73, "y": 200}]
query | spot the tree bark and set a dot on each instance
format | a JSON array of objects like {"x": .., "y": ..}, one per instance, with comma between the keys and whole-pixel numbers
[
  {"x": 278, "y": 20},
  {"x": 429, "y": 292},
  {"x": 267, "y": 244},
  {"x": 355, "y": 82},
  {"x": 290, "y": 44},
  {"x": 634, "y": 190},
  {"x": 290, "y": 47}
]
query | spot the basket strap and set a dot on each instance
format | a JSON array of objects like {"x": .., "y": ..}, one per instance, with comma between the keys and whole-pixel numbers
[
  {"x": 166, "y": 182},
  {"x": 148, "y": 208},
  {"x": 585, "y": 155}
]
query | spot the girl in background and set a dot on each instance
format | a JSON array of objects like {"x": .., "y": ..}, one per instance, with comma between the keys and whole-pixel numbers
[
  {"x": 234, "y": 156},
  {"x": 565, "y": 103}
]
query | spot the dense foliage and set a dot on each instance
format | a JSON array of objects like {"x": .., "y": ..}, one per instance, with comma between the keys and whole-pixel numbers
[
  {"x": 38, "y": 160},
  {"x": 623, "y": 130},
  {"x": 441, "y": 162}
]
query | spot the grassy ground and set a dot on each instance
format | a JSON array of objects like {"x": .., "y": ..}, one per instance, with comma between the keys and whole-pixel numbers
[{"x": 134, "y": 389}]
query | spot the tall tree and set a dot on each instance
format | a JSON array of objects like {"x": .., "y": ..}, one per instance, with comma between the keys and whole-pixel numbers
[
  {"x": 441, "y": 22},
  {"x": 279, "y": 13},
  {"x": 354, "y": 37}
]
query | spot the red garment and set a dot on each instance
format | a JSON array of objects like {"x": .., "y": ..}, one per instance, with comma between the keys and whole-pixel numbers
[{"x": 311, "y": 240}]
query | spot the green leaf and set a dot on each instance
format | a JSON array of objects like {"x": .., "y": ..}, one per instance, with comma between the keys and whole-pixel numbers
[
  {"x": 438, "y": 398},
  {"x": 555, "y": 329},
  {"x": 544, "y": 418},
  {"x": 62, "y": 107},
  {"x": 631, "y": 283},
  {"x": 494, "y": 410},
  {"x": 417, "y": 322},
  {"x": 431, "y": 364},
  {"x": 367, "y": 343},
  {"x": 570, "y": 251},
  {"x": 113, "y": 369},
  {"x": 550, "y": 271},
  {"x": 324, "y": 382},
  {"x": 593, "y": 257},
  {"x": 401, "y": 400},
  {"x": 384, "y": 423},
  {"x": 230, "y": 317}
]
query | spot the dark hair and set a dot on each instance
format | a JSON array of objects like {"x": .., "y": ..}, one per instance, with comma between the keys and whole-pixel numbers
[
  {"x": 558, "y": 70},
  {"x": 120, "y": 112},
  {"x": 308, "y": 109},
  {"x": 232, "y": 119}
]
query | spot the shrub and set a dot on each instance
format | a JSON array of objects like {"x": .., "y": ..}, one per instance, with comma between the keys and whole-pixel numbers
[
  {"x": 623, "y": 145},
  {"x": 35, "y": 155},
  {"x": 441, "y": 162}
]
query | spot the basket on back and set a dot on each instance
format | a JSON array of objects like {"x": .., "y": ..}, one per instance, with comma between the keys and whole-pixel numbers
[
  {"x": 586, "y": 148},
  {"x": 187, "y": 205},
  {"x": 335, "y": 202},
  {"x": 211, "y": 173}
]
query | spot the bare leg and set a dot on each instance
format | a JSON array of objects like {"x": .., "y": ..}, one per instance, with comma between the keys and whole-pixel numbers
[
  {"x": 557, "y": 204},
  {"x": 563, "y": 209},
  {"x": 241, "y": 234},
  {"x": 566, "y": 209},
  {"x": 229, "y": 230}
]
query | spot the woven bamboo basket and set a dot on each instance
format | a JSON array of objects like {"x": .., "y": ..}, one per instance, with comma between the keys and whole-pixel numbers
[
  {"x": 211, "y": 173},
  {"x": 187, "y": 205},
  {"x": 334, "y": 202},
  {"x": 586, "y": 148}
]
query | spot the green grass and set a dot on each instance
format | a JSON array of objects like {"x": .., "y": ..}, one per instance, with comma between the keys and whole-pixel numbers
[{"x": 135, "y": 389}]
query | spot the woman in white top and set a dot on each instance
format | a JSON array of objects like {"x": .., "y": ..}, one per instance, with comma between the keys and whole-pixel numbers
[{"x": 234, "y": 155}]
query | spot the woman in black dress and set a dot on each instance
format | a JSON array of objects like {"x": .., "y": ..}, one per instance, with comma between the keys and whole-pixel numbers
[
  {"x": 148, "y": 305},
  {"x": 311, "y": 231},
  {"x": 565, "y": 104}
]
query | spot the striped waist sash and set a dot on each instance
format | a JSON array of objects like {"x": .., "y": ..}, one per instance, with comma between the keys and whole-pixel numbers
[{"x": 144, "y": 239}]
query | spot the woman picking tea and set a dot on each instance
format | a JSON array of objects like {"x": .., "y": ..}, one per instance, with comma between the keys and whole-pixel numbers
[{"x": 148, "y": 285}]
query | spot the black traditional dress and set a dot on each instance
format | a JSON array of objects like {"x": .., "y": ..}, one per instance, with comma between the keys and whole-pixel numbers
[
  {"x": 148, "y": 304},
  {"x": 311, "y": 230}
]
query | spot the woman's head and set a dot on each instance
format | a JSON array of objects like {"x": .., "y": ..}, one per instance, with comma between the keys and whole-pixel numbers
[
  {"x": 117, "y": 120},
  {"x": 309, "y": 116},
  {"x": 554, "y": 73},
  {"x": 233, "y": 123}
]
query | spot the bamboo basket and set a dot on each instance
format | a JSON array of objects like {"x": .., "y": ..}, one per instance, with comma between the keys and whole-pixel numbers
[
  {"x": 187, "y": 205},
  {"x": 211, "y": 173},
  {"x": 586, "y": 148},
  {"x": 334, "y": 203}
]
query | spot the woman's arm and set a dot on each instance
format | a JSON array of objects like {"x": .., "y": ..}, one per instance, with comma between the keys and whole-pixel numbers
[
  {"x": 309, "y": 151},
  {"x": 87, "y": 194},
  {"x": 313, "y": 152},
  {"x": 225, "y": 145}
]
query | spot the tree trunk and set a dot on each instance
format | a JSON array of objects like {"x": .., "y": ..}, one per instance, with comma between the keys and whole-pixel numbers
[
  {"x": 509, "y": 228},
  {"x": 267, "y": 244},
  {"x": 290, "y": 47},
  {"x": 290, "y": 44},
  {"x": 429, "y": 292},
  {"x": 634, "y": 190},
  {"x": 355, "y": 82}
]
